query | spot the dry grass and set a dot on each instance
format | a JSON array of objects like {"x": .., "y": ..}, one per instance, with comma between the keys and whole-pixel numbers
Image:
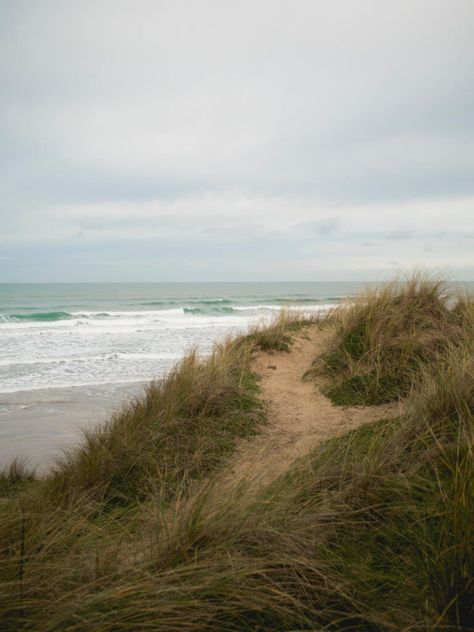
[
  {"x": 182, "y": 428},
  {"x": 277, "y": 336},
  {"x": 15, "y": 477},
  {"x": 178, "y": 432},
  {"x": 76, "y": 523},
  {"x": 373, "y": 531},
  {"x": 151, "y": 451},
  {"x": 384, "y": 335}
]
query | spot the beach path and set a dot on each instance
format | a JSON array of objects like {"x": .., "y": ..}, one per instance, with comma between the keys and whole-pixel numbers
[{"x": 299, "y": 415}]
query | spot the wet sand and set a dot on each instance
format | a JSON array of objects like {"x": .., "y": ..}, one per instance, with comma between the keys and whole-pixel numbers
[{"x": 38, "y": 425}]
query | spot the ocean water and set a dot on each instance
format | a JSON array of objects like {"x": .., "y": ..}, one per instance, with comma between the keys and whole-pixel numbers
[
  {"x": 71, "y": 354},
  {"x": 69, "y": 335}
]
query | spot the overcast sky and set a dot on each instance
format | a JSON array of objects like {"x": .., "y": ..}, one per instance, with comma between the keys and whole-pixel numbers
[{"x": 222, "y": 140}]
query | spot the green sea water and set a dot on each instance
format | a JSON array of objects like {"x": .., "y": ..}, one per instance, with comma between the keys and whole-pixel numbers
[{"x": 56, "y": 335}]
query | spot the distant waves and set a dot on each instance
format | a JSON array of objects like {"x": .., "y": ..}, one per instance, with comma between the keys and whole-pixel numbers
[
  {"x": 66, "y": 335},
  {"x": 51, "y": 349}
]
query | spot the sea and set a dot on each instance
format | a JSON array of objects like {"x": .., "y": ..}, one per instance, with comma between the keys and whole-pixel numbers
[
  {"x": 54, "y": 335},
  {"x": 70, "y": 353}
]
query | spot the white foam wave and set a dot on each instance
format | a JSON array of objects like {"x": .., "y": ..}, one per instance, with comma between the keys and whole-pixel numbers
[{"x": 115, "y": 346}]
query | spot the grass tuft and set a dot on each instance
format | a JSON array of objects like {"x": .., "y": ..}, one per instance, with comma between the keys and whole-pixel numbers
[
  {"x": 15, "y": 477},
  {"x": 278, "y": 335},
  {"x": 384, "y": 335}
]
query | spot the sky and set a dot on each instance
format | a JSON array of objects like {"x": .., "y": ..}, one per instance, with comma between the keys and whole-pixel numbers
[{"x": 212, "y": 140}]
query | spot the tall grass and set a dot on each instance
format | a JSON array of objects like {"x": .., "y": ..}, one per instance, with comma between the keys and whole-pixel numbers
[
  {"x": 278, "y": 334},
  {"x": 385, "y": 334},
  {"x": 76, "y": 524},
  {"x": 15, "y": 477},
  {"x": 181, "y": 429},
  {"x": 178, "y": 432},
  {"x": 372, "y": 531}
]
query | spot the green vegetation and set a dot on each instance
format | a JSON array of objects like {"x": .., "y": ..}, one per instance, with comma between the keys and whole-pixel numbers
[
  {"x": 385, "y": 334},
  {"x": 178, "y": 432},
  {"x": 15, "y": 477},
  {"x": 150, "y": 452},
  {"x": 372, "y": 531},
  {"x": 278, "y": 335}
]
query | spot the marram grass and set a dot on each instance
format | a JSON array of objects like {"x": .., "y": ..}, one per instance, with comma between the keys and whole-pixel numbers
[
  {"x": 372, "y": 531},
  {"x": 384, "y": 335}
]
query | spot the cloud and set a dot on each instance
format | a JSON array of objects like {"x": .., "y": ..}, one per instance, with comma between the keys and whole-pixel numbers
[
  {"x": 258, "y": 125},
  {"x": 401, "y": 233},
  {"x": 324, "y": 226}
]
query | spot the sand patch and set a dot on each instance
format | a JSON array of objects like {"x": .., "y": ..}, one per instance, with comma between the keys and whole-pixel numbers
[{"x": 299, "y": 415}]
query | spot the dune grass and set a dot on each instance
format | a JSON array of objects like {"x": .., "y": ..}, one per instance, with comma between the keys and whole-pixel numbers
[
  {"x": 151, "y": 452},
  {"x": 181, "y": 429},
  {"x": 385, "y": 334},
  {"x": 15, "y": 477},
  {"x": 372, "y": 531},
  {"x": 178, "y": 432},
  {"x": 278, "y": 334}
]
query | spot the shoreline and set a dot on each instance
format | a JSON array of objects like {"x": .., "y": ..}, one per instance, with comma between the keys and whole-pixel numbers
[{"x": 37, "y": 425}]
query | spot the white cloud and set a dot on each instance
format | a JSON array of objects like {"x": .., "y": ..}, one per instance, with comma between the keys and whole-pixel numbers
[{"x": 235, "y": 123}]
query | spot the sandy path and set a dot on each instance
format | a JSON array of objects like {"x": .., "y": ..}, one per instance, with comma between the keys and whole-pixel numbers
[{"x": 299, "y": 415}]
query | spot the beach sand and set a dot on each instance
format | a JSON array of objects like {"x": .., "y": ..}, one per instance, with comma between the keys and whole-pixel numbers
[{"x": 39, "y": 424}]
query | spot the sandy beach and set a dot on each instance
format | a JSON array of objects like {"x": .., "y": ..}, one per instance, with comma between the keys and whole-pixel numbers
[{"x": 38, "y": 424}]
